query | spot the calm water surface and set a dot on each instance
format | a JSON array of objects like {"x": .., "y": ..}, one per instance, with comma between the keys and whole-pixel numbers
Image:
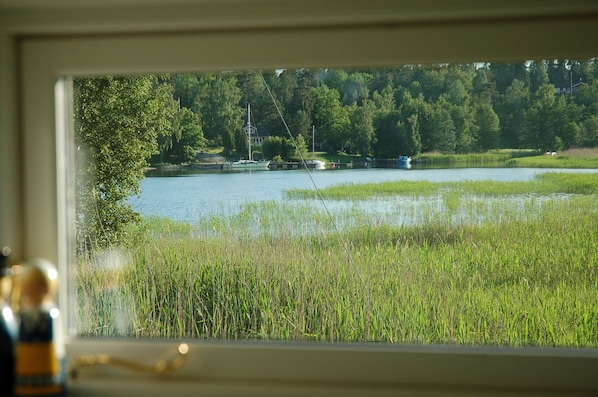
[{"x": 189, "y": 197}]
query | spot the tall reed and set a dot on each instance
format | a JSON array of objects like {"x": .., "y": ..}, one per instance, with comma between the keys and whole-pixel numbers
[{"x": 452, "y": 268}]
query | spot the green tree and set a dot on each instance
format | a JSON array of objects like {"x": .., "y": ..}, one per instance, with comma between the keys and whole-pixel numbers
[
  {"x": 583, "y": 70},
  {"x": 335, "y": 79},
  {"x": 590, "y": 131},
  {"x": 264, "y": 106},
  {"x": 439, "y": 130},
  {"x": 298, "y": 148},
  {"x": 356, "y": 88},
  {"x": 457, "y": 102},
  {"x": 587, "y": 98},
  {"x": 488, "y": 134},
  {"x": 272, "y": 147},
  {"x": 362, "y": 127},
  {"x": 187, "y": 89},
  {"x": 431, "y": 80},
  {"x": 412, "y": 134},
  {"x": 301, "y": 124},
  {"x": 558, "y": 72},
  {"x": 546, "y": 119},
  {"x": 117, "y": 123},
  {"x": 504, "y": 74},
  {"x": 389, "y": 135},
  {"x": 412, "y": 111},
  {"x": 384, "y": 100},
  {"x": 190, "y": 135},
  {"x": 538, "y": 76},
  {"x": 332, "y": 119},
  {"x": 222, "y": 116},
  {"x": 483, "y": 87},
  {"x": 302, "y": 98},
  {"x": 511, "y": 111}
]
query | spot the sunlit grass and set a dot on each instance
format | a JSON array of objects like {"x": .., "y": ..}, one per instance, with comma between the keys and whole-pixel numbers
[
  {"x": 546, "y": 183},
  {"x": 471, "y": 263},
  {"x": 572, "y": 158}
]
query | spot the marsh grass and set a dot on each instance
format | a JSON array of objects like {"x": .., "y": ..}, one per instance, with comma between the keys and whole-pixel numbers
[
  {"x": 543, "y": 184},
  {"x": 464, "y": 263},
  {"x": 488, "y": 158}
]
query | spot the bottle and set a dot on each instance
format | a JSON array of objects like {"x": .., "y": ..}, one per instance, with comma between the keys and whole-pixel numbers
[
  {"x": 39, "y": 355},
  {"x": 8, "y": 329}
]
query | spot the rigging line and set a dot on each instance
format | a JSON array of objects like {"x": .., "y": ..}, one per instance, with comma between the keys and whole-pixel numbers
[{"x": 319, "y": 195}]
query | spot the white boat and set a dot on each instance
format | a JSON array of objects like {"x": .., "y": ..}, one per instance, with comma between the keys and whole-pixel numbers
[
  {"x": 314, "y": 163},
  {"x": 250, "y": 164},
  {"x": 404, "y": 162}
]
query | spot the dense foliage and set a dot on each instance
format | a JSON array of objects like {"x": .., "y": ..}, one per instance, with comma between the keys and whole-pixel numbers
[
  {"x": 545, "y": 105},
  {"x": 118, "y": 122}
]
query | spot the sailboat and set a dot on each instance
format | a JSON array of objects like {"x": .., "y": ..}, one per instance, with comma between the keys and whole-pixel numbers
[
  {"x": 314, "y": 163},
  {"x": 250, "y": 163}
]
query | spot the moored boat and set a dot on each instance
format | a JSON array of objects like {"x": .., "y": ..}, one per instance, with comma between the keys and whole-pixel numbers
[
  {"x": 250, "y": 163},
  {"x": 404, "y": 162},
  {"x": 315, "y": 164}
]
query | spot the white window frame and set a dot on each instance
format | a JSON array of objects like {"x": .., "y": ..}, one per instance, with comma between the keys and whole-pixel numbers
[{"x": 40, "y": 44}]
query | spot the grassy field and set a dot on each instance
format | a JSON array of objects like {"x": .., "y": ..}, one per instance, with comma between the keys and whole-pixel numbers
[
  {"x": 573, "y": 158},
  {"x": 485, "y": 263}
]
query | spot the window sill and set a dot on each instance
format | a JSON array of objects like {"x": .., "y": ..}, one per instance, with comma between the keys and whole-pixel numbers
[{"x": 273, "y": 368}]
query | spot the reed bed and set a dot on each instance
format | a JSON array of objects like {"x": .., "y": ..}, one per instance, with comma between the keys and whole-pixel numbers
[
  {"x": 470, "y": 159},
  {"x": 545, "y": 183},
  {"x": 448, "y": 264}
]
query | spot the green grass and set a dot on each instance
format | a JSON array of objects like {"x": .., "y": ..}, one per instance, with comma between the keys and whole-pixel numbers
[
  {"x": 546, "y": 183},
  {"x": 503, "y": 270},
  {"x": 574, "y": 158},
  {"x": 470, "y": 159}
]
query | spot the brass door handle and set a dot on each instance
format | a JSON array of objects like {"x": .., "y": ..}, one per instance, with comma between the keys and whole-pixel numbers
[{"x": 160, "y": 367}]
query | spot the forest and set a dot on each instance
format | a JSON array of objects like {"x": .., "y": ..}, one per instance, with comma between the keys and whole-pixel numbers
[
  {"x": 544, "y": 105},
  {"x": 412, "y": 109}
]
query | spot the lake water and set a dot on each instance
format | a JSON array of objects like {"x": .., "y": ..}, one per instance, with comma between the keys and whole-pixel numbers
[{"x": 188, "y": 197}]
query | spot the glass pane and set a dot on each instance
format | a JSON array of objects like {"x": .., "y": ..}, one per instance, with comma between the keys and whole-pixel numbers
[{"x": 428, "y": 204}]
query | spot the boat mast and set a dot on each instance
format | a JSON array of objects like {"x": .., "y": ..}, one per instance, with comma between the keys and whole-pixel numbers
[
  {"x": 249, "y": 129},
  {"x": 313, "y": 140}
]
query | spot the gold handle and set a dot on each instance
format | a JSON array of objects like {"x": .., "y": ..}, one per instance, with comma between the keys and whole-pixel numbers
[{"x": 161, "y": 367}]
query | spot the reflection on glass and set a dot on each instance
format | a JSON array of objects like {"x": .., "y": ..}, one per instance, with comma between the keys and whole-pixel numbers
[{"x": 489, "y": 237}]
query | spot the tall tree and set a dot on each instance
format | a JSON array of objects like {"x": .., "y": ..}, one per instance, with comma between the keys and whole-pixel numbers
[
  {"x": 511, "y": 109},
  {"x": 389, "y": 135},
  {"x": 222, "y": 115},
  {"x": 356, "y": 88},
  {"x": 413, "y": 111},
  {"x": 362, "y": 127},
  {"x": 538, "y": 76},
  {"x": 301, "y": 124},
  {"x": 384, "y": 100},
  {"x": 331, "y": 118},
  {"x": 457, "y": 102},
  {"x": 488, "y": 131},
  {"x": 558, "y": 72},
  {"x": 504, "y": 74},
  {"x": 186, "y": 89},
  {"x": 546, "y": 119},
  {"x": 190, "y": 136},
  {"x": 440, "y": 130},
  {"x": 117, "y": 122}
]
